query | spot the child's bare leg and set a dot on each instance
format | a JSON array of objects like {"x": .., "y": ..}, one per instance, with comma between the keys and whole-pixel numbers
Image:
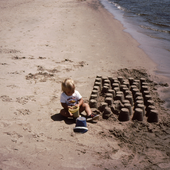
[
  {"x": 64, "y": 113},
  {"x": 85, "y": 107},
  {"x": 90, "y": 117}
]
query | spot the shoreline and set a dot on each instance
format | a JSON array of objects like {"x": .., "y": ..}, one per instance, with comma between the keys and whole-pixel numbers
[
  {"x": 155, "y": 48},
  {"x": 44, "y": 42}
]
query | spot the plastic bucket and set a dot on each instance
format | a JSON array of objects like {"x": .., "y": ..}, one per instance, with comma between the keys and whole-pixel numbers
[{"x": 75, "y": 111}]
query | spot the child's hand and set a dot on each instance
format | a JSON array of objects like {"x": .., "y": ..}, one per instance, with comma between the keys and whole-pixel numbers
[
  {"x": 77, "y": 105},
  {"x": 69, "y": 107},
  {"x": 71, "y": 114}
]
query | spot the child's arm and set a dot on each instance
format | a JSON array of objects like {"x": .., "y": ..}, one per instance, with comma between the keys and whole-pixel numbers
[
  {"x": 80, "y": 102},
  {"x": 65, "y": 106}
]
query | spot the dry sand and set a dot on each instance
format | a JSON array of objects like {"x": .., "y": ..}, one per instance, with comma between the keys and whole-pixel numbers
[{"x": 43, "y": 42}]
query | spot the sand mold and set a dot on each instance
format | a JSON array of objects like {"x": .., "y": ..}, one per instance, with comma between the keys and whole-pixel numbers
[{"x": 141, "y": 139}]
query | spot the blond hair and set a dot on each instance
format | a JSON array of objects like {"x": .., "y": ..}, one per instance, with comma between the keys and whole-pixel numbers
[{"x": 67, "y": 84}]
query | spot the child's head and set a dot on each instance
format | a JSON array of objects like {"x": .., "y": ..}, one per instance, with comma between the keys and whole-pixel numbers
[{"x": 68, "y": 86}]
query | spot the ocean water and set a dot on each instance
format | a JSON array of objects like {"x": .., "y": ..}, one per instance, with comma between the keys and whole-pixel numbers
[
  {"x": 155, "y": 13},
  {"x": 148, "y": 21}
]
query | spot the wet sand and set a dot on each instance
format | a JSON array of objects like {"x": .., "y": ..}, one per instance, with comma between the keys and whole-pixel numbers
[{"x": 44, "y": 42}]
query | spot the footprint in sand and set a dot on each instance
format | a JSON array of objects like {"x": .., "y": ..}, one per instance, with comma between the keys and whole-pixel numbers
[
  {"x": 41, "y": 76},
  {"x": 25, "y": 100},
  {"x": 26, "y": 127},
  {"x": 18, "y": 58},
  {"x": 12, "y": 86},
  {"x": 3, "y": 64},
  {"x": 41, "y": 68},
  {"x": 38, "y": 137},
  {"x": 17, "y": 72},
  {"x": 22, "y": 112},
  {"x": 6, "y": 51},
  {"x": 6, "y": 98},
  {"x": 14, "y": 136},
  {"x": 4, "y": 124},
  {"x": 42, "y": 58},
  {"x": 12, "y": 162}
]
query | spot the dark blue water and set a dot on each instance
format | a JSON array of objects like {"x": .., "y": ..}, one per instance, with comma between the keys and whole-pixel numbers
[
  {"x": 155, "y": 13},
  {"x": 148, "y": 21}
]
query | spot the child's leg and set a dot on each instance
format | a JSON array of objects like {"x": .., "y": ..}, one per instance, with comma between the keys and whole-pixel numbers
[
  {"x": 85, "y": 107},
  {"x": 90, "y": 117},
  {"x": 64, "y": 113}
]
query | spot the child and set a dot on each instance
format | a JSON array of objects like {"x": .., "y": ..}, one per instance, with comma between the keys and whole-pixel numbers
[{"x": 71, "y": 97}]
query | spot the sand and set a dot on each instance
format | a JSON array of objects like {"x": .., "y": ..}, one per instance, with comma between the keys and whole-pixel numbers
[{"x": 41, "y": 44}]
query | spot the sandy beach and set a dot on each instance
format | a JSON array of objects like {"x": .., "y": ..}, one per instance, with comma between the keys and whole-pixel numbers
[{"x": 41, "y": 44}]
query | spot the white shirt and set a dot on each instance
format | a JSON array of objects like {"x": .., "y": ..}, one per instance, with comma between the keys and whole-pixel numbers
[{"x": 70, "y": 100}]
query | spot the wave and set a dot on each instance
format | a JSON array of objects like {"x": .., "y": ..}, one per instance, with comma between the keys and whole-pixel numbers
[
  {"x": 154, "y": 29},
  {"x": 118, "y": 6},
  {"x": 152, "y": 13},
  {"x": 142, "y": 14},
  {"x": 160, "y": 24}
]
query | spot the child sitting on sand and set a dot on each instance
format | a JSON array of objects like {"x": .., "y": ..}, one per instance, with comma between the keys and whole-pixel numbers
[{"x": 71, "y": 97}]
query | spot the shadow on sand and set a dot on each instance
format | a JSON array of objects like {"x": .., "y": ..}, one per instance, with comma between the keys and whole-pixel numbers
[{"x": 59, "y": 117}]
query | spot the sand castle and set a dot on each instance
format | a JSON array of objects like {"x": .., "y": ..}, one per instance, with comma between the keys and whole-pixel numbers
[{"x": 130, "y": 98}]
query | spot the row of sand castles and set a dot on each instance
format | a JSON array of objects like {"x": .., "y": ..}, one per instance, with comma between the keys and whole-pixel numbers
[{"x": 124, "y": 97}]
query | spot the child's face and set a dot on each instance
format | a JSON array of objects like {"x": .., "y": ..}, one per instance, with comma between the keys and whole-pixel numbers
[{"x": 69, "y": 92}]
